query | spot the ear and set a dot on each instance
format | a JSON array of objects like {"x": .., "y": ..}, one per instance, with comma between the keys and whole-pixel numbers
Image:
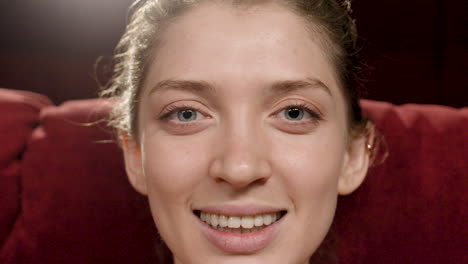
[
  {"x": 133, "y": 163},
  {"x": 356, "y": 162}
]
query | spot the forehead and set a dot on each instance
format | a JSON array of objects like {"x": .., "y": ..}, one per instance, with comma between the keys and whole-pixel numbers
[{"x": 218, "y": 43}]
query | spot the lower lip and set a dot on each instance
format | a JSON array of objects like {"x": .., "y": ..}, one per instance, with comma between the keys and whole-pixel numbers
[{"x": 241, "y": 243}]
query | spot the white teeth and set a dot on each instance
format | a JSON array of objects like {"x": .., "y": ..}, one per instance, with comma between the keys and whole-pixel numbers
[
  {"x": 214, "y": 220},
  {"x": 258, "y": 220},
  {"x": 247, "y": 221},
  {"x": 267, "y": 219},
  {"x": 203, "y": 216},
  {"x": 234, "y": 222},
  {"x": 223, "y": 221}
]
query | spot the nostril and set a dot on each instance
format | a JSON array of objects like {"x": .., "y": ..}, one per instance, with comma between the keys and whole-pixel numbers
[
  {"x": 260, "y": 181},
  {"x": 239, "y": 168}
]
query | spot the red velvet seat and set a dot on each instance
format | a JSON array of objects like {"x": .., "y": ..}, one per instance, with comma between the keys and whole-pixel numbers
[{"x": 64, "y": 196}]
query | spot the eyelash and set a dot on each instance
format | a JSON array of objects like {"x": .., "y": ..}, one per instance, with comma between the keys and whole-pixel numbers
[
  {"x": 315, "y": 116},
  {"x": 172, "y": 109}
]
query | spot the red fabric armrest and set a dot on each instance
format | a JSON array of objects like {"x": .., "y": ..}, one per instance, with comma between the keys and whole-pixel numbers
[
  {"x": 412, "y": 208},
  {"x": 19, "y": 112}
]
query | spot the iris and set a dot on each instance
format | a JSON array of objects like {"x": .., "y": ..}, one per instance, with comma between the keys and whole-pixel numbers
[
  {"x": 187, "y": 115},
  {"x": 294, "y": 113}
]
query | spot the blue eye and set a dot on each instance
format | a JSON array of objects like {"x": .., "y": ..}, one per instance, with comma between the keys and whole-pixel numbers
[
  {"x": 294, "y": 113},
  {"x": 297, "y": 114},
  {"x": 181, "y": 114},
  {"x": 187, "y": 115}
]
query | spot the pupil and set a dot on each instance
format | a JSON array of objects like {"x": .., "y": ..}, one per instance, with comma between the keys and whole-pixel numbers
[
  {"x": 187, "y": 115},
  {"x": 294, "y": 113}
]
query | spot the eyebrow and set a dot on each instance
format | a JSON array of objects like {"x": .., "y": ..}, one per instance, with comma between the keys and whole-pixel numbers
[
  {"x": 202, "y": 87},
  {"x": 289, "y": 86}
]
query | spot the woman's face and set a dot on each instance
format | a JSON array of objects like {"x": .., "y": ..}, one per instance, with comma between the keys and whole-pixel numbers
[{"x": 242, "y": 125}]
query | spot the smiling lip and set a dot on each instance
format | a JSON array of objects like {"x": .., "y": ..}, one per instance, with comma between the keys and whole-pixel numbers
[
  {"x": 233, "y": 210},
  {"x": 236, "y": 242}
]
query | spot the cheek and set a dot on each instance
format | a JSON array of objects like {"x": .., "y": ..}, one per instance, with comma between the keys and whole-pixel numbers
[
  {"x": 310, "y": 166},
  {"x": 308, "y": 169},
  {"x": 172, "y": 167}
]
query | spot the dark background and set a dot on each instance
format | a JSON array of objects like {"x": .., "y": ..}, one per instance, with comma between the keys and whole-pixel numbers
[{"x": 418, "y": 49}]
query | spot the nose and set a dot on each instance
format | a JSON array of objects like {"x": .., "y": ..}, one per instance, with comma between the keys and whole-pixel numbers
[{"x": 242, "y": 159}]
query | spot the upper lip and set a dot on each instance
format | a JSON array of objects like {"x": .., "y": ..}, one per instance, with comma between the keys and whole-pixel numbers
[{"x": 240, "y": 210}]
